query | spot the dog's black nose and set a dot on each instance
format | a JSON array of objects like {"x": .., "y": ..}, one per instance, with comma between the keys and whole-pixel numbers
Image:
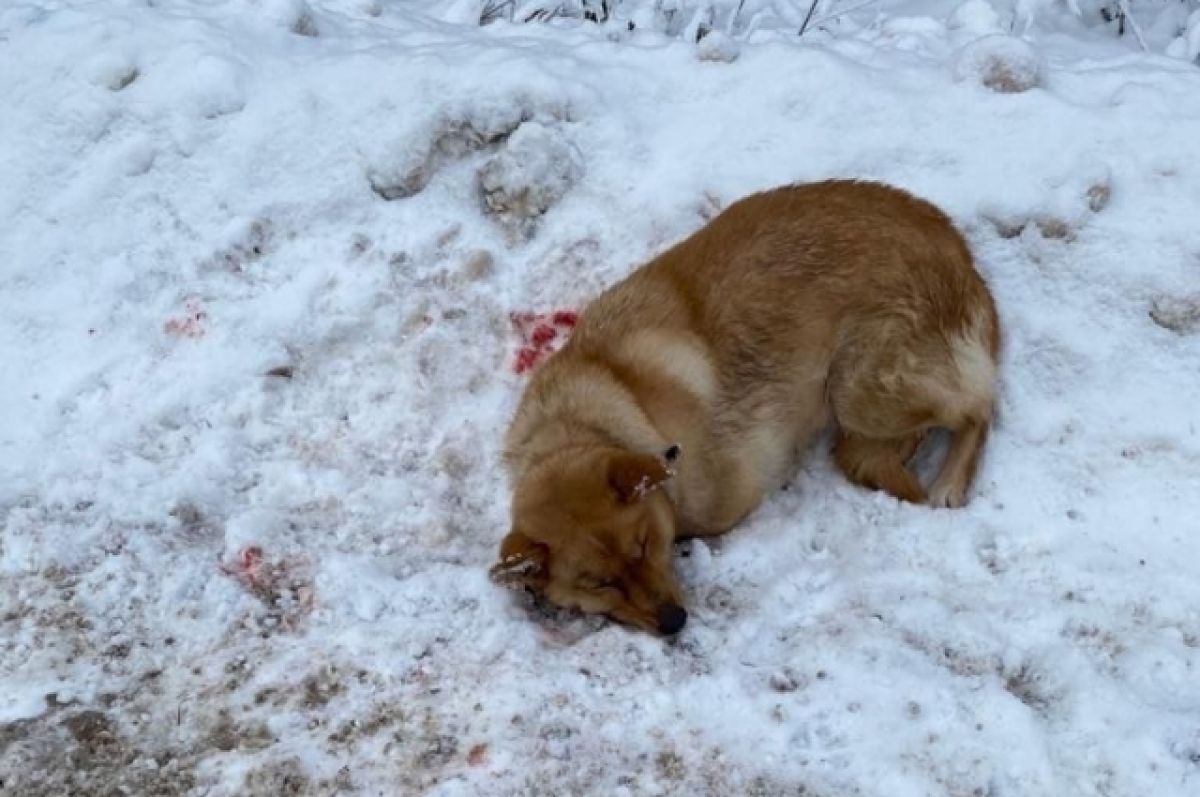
[{"x": 671, "y": 618}]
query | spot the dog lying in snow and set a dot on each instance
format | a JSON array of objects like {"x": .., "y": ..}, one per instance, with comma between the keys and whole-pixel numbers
[{"x": 688, "y": 389}]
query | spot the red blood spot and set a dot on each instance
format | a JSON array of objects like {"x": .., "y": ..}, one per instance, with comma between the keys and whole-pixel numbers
[
  {"x": 541, "y": 334},
  {"x": 526, "y": 359},
  {"x": 566, "y": 318},
  {"x": 251, "y": 558},
  {"x": 247, "y": 567},
  {"x": 285, "y": 585},
  {"x": 189, "y": 325}
]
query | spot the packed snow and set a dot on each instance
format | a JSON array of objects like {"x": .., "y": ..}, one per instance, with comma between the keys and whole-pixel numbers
[{"x": 273, "y": 274}]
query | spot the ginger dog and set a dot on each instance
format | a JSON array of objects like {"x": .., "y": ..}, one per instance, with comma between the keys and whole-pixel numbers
[{"x": 688, "y": 390}]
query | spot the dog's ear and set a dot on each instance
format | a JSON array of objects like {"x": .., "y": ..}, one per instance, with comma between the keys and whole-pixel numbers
[
  {"x": 632, "y": 476},
  {"x": 522, "y": 562}
]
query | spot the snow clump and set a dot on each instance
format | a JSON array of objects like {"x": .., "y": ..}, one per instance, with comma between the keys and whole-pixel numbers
[
  {"x": 1001, "y": 63},
  {"x": 533, "y": 171}
]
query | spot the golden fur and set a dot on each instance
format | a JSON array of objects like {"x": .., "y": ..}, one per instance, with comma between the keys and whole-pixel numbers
[{"x": 843, "y": 302}]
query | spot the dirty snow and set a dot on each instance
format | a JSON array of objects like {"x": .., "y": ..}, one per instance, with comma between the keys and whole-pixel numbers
[{"x": 259, "y": 287}]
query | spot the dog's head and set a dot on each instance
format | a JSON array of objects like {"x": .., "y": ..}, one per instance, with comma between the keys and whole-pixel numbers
[{"x": 593, "y": 531}]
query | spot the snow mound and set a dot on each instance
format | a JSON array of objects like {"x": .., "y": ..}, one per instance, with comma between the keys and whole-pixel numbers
[
  {"x": 215, "y": 87},
  {"x": 405, "y": 169},
  {"x": 1179, "y": 314},
  {"x": 718, "y": 46},
  {"x": 1187, "y": 44},
  {"x": 977, "y": 17},
  {"x": 295, "y": 16},
  {"x": 1069, "y": 202},
  {"x": 533, "y": 170},
  {"x": 112, "y": 69},
  {"x": 1001, "y": 63}
]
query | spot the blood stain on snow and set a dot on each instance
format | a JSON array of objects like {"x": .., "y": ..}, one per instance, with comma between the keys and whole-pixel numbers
[
  {"x": 190, "y": 324},
  {"x": 247, "y": 567},
  {"x": 541, "y": 335},
  {"x": 282, "y": 586}
]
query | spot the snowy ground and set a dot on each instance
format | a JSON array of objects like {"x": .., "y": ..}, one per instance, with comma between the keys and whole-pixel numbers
[{"x": 257, "y": 266}]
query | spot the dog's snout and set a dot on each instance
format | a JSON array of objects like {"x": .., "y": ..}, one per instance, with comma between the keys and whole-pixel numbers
[{"x": 671, "y": 618}]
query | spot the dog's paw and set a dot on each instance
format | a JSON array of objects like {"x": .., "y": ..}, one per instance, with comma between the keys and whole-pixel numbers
[{"x": 947, "y": 496}]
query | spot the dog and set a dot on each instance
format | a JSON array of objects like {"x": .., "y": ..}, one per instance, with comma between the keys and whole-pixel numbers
[{"x": 689, "y": 389}]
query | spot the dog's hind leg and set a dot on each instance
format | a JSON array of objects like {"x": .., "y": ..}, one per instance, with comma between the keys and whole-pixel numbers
[
  {"x": 949, "y": 489},
  {"x": 893, "y": 382},
  {"x": 880, "y": 422},
  {"x": 965, "y": 405},
  {"x": 880, "y": 464}
]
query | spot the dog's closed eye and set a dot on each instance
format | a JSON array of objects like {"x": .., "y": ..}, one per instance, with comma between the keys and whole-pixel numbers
[{"x": 598, "y": 584}]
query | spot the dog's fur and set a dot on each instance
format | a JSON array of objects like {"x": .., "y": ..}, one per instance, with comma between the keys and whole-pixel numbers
[{"x": 843, "y": 302}]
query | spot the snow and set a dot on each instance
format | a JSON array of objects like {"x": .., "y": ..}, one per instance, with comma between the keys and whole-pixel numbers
[
  {"x": 257, "y": 341},
  {"x": 1187, "y": 44},
  {"x": 975, "y": 18},
  {"x": 1001, "y": 63},
  {"x": 533, "y": 170},
  {"x": 717, "y": 46}
]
